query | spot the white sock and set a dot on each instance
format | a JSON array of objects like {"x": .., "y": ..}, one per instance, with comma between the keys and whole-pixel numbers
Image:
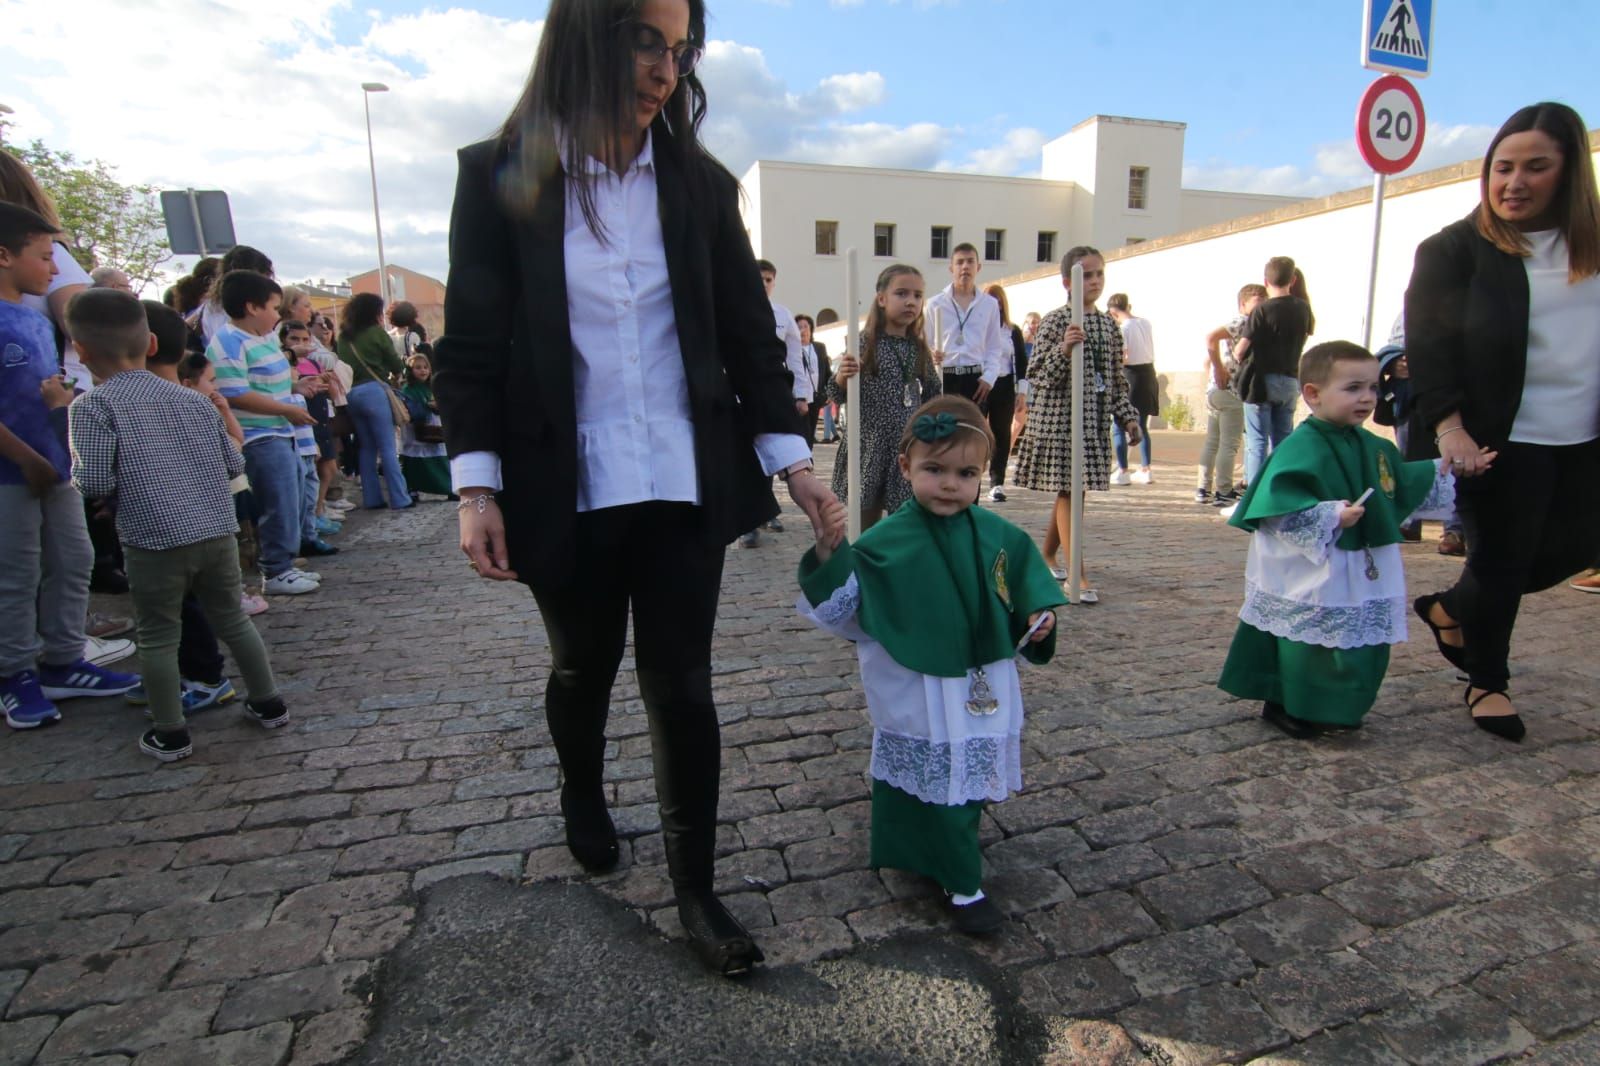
[{"x": 965, "y": 901}]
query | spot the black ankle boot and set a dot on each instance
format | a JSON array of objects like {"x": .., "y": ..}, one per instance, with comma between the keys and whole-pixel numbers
[
  {"x": 591, "y": 837},
  {"x": 716, "y": 936}
]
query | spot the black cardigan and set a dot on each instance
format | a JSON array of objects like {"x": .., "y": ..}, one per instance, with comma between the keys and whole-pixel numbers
[
  {"x": 1466, "y": 336},
  {"x": 504, "y": 378}
]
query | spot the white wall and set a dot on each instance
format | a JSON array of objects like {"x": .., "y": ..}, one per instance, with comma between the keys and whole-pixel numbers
[
  {"x": 1186, "y": 288},
  {"x": 793, "y": 197},
  {"x": 1199, "y": 208}
]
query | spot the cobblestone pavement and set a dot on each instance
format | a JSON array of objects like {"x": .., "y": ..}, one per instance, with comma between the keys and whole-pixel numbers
[{"x": 1183, "y": 884}]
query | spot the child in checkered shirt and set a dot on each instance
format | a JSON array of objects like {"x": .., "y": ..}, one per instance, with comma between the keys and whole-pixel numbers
[{"x": 167, "y": 455}]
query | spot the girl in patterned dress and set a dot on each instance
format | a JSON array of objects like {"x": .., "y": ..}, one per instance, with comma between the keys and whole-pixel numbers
[
  {"x": 1044, "y": 456},
  {"x": 897, "y": 376}
]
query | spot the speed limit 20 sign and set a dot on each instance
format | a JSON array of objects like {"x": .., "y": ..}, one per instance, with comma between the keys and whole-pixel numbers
[{"x": 1390, "y": 125}]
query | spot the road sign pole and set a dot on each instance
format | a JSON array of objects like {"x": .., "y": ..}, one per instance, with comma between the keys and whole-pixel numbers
[
  {"x": 199, "y": 230},
  {"x": 1378, "y": 181}
]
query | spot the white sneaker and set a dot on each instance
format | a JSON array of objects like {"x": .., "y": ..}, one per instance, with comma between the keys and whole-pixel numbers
[
  {"x": 1227, "y": 512},
  {"x": 1142, "y": 477},
  {"x": 290, "y": 583},
  {"x": 312, "y": 574},
  {"x": 1120, "y": 477},
  {"x": 339, "y": 505},
  {"x": 997, "y": 494},
  {"x": 101, "y": 652}
]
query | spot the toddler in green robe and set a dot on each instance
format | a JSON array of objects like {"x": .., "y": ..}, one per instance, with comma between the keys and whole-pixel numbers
[
  {"x": 939, "y": 598},
  {"x": 1325, "y": 592}
]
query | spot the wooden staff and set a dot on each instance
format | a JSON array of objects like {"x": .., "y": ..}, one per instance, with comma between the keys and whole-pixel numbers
[
  {"x": 1075, "y": 554},
  {"x": 852, "y": 347}
]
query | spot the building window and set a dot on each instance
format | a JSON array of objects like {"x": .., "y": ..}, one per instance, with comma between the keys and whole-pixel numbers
[
  {"x": 883, "y": 239},
  {"x": 1047, "y": 247},
  {"x": 994, "y": 245},
  {"x": 939, "y": 245},
  {"x": 1138, "y": 180},
  {"x": 827, "y": 238}
]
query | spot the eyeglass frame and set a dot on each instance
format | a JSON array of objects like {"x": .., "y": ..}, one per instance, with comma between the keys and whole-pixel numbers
[{"x": 650, "y": 55}]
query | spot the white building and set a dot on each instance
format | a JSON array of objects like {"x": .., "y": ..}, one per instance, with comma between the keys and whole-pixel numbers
[{"x": 1108, "y": 182}]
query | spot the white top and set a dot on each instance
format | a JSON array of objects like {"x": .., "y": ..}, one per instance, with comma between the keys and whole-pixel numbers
[
  {"x": 1561, "y": 389},
  {"x": 793, "y": 358},
  {"x": 68, "y": 272},
  {"x": 974, "y": 337},
  {"x": 635, "y": 434},
  {"x": 1138, "y": 346},
  {"x": 924, "y": 741}
]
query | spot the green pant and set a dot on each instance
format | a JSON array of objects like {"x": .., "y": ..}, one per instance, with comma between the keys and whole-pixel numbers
[{"x": 158, "y": 581}]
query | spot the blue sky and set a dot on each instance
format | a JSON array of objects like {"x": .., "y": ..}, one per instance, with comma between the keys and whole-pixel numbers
[{"x": 262, "y": 100}]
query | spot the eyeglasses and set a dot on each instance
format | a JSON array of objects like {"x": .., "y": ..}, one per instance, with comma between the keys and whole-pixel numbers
[{"x": 650, "y": 48}]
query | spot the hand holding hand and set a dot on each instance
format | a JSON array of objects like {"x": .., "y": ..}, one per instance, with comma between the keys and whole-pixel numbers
[
  {"x": 1351, "y": 514},
  {"x": 834, "y": 517},
  {"x": 483, "y": 535},
  {"x": 812, "y": 497},
  {"x": 1463, "y": 454}
]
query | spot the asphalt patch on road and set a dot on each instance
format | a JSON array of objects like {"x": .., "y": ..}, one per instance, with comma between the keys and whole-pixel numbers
[{"x": 559, "y": 973}]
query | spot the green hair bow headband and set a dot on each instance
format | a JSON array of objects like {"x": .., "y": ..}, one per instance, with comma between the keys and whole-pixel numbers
[{"x": 930, "y": 428}]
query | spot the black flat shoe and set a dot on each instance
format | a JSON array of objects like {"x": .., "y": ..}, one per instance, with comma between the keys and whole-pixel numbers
[
  {"x": 716, "y": 936},
  {"x": 1505, "y": 726},
  {"x": 976, "y": 919},
  {"x": 1456, "y": 657},
  {"x": 1275, "y": 715},
  {"x": 591, "y": 837}
]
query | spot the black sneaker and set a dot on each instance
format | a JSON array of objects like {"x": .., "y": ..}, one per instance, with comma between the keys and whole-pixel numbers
[
  {"x": 977, "y": 919},
  {"x": 1202, "y": 496},
  {"x": 269, "y": 714},
  {"x": 1224, "y": 499},
  {"x": 165, "y": 745}
]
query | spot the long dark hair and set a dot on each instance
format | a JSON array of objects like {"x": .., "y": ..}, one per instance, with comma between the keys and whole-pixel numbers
[
  {"x": 1576, "y": 203},
  {"x": 364, "y": 311},
  {"x": 878, "y": 318},
  {"x": 582, "y": 83}
]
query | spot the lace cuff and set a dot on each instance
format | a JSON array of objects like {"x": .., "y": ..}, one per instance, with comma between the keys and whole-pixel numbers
[
  {"x": 1311, "y": 532},
  {"x": 1440, "y": 504},
  {"x": 836, "y": 614}
]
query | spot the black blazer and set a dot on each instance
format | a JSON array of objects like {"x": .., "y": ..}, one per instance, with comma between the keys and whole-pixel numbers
[
  {"x": 824, "y": 373},
  {"x": 1466, "y": 336},
  {"x": 503, "y": 376}
]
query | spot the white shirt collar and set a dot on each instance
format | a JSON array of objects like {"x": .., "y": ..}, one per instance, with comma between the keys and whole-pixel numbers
[{"x": 595, "y": 168}]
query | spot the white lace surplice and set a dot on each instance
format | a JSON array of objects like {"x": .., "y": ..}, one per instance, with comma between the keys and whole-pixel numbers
[
  {"x": 1299, "y": 586},
  {"x": 923, "y": 740}
]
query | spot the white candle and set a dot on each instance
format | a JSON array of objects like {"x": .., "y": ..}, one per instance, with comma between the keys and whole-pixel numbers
[{"x": 852, "y": 397}]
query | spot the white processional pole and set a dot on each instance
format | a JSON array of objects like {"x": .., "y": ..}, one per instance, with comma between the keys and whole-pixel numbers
[
  {"x": 1075, "y": 552},
  {"x": 852, "y": 347}
]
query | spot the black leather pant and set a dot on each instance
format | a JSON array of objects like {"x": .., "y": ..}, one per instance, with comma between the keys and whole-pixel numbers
[{"x": 649, "y": 559}]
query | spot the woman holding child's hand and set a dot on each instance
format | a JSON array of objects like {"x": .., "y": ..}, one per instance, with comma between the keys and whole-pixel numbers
[{"x": 615, "y": 401}]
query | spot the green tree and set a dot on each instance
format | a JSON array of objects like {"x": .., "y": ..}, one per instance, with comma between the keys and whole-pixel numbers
[{"x": 107, "y": 223}]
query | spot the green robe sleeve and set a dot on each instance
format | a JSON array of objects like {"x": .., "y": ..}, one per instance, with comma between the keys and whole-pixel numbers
[
  {"x": 1033, "y": 589},
  {"x": 819, "y": 580}
]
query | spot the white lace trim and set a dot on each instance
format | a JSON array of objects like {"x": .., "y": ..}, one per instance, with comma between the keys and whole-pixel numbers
[
  {"x": 1312, "y": 532},
  {"x": 1374, "y": 621},
  {"x": 836, "y": 614},
  {"x": 1440, "y": 506},
  {"x": 950, "y": 773}
]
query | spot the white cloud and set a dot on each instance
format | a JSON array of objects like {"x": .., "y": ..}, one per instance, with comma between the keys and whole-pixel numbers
[{"x": 1336, "y": 165}]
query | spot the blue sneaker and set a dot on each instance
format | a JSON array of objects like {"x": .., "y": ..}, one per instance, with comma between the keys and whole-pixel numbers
[
  {"x": 197, "y": 696},
  {"x": 327, "y": 527},
  {"x": 24, "y": 702},
  {"x": 83, "y": 678}
]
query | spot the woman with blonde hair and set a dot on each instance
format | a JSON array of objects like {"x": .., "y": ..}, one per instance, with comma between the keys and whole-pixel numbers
[{"x": 1503, "y": 341}]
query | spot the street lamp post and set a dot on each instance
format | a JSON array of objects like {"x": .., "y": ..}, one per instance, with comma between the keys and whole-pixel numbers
[{"x": 367, "y": 89}]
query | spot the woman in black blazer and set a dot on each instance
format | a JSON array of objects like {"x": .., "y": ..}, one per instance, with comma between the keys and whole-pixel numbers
[
  {"x": 607, "y": 378},
  {"x": 1503, "y": 340}
]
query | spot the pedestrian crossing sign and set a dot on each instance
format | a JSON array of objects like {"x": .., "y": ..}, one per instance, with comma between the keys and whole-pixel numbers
[{"x": 1397, "y": 36}]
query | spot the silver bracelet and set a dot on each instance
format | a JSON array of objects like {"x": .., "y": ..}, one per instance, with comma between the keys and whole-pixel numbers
[
  {"x": 481, "y": 501},
  {"x": 1446, "y": 433}
]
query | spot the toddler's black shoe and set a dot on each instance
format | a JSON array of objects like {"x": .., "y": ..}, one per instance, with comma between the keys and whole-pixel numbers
[
  {"x": 166, "y": 745},
  {"x": 1288, "y": 723},
  {"x": 979, "y": 918},
  {"x": 268, "y": 714}
]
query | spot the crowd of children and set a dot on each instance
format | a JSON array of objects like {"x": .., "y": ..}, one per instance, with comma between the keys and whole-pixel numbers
[{"x": 212, "y": 436}]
